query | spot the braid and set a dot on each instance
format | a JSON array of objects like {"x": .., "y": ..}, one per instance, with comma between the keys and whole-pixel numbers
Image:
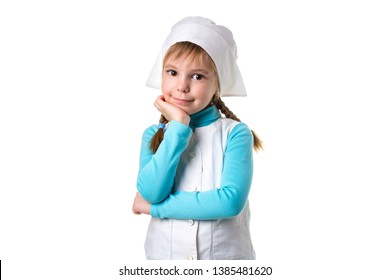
[
  {"x": 225, "y": 110},
  {"x": 159, "y": 136},
  {"x": 257, "y": 144}
]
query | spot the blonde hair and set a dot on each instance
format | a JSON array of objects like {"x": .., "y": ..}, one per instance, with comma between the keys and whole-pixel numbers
[{"x": 197, "y": 53}]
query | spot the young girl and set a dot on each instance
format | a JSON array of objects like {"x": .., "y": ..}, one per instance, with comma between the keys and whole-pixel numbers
[{"x": 195, "y": 165}]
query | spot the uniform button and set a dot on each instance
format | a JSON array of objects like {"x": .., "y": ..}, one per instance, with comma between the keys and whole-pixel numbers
[
  {"x": 192, "y": 154},
  {"x": 191, "y": 222},
  {"x": 190, "y": 258}
]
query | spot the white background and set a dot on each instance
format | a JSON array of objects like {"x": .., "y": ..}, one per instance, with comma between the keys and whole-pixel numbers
[{"x": 73, "y": 107}]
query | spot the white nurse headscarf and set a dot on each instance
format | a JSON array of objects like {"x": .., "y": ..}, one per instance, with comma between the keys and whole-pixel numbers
[{"x": 217, "y": 41}]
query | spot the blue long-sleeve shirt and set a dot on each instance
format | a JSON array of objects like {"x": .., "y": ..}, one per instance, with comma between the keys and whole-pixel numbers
[{"x": 157, "y": 172}]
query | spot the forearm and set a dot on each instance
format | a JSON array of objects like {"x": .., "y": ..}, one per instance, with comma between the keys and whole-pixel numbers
[
  {"x": 157, "y": 171},
  {"x": 220, "y": 203}
]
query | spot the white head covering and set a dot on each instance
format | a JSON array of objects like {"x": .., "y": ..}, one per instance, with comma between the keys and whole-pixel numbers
[{"x": 217, "y": 41}]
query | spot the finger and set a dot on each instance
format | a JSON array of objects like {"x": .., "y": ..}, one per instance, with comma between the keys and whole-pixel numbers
[
  {"x": 156, "y": 105},
  {"x": 135, "y": 211},
  {"x": 134, "y": 207}
]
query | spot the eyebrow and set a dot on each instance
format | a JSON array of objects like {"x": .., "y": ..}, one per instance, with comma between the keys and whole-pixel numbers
[{"x": 202, "y": 70}]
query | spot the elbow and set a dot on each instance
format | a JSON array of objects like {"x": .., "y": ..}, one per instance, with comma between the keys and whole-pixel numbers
[
  {"x": 150, "y": 188},
  {"x": 234, "y": 208},
  {"x": 234, "y": 201},
  {"x": 152, "y": 197}
]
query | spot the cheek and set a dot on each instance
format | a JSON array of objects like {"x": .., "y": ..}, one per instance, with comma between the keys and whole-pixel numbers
[
  {"x": 164, "y": 89},
  {"x": 166, "y": 93},
  {"x": 209, "y": 95},
  {"x": 166, "y": 86}
]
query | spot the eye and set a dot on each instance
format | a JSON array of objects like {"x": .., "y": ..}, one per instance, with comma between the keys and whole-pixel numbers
[
  {"x": 171, "y": 72},
  {"x": 197, "y": 76}
]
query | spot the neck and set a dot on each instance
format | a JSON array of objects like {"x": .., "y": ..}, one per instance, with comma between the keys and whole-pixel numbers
[{"x": 205, "y": 117}]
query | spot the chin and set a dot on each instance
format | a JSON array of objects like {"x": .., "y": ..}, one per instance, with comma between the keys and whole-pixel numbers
[{"x": 185, "y": 109}]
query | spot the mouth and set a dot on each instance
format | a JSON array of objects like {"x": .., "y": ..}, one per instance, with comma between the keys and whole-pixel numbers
[{"x": 182, "y": 101}]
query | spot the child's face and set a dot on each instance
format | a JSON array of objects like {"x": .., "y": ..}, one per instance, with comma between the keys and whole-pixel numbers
[{"x": 188, "y": 83}]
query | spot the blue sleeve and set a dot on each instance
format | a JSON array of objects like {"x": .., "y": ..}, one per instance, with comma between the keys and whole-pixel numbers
[
  {"x": 157, "y": 171},
  {"x": 226, "y": 201}
]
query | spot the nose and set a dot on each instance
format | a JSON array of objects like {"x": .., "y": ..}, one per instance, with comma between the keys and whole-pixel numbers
[{"x": 183, "y": 85}]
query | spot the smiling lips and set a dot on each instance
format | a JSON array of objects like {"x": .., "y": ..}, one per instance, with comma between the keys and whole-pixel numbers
[{"x": 182, "y": 101}]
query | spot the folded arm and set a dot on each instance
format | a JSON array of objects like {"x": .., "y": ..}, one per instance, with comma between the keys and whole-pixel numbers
[{"x": 229, "y": 198}]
